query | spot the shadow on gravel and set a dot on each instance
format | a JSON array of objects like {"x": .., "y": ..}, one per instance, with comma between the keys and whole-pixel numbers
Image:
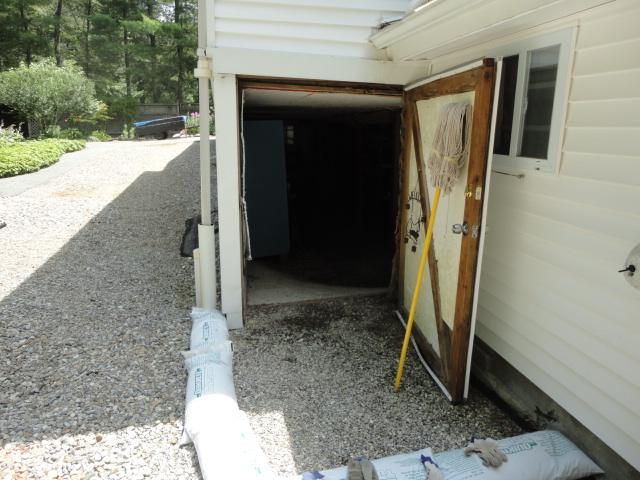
[
  {"x": 91, "y": 341},
  {"x": 90, "y": 344}
]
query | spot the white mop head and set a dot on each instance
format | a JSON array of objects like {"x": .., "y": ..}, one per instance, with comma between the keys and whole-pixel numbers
[{"x": 449, "y": 146}]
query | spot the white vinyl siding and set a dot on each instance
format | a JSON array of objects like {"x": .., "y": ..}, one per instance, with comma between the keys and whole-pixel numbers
[
  {"x": 303, "y": 26},
  {"x": 551, "y": 300}
]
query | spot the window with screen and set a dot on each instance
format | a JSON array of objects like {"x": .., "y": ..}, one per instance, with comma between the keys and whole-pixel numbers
[{"x": 531, "y": 102}]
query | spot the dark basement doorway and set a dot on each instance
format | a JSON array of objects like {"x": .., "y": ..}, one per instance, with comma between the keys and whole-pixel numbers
[{"x": 320, "y": 181}]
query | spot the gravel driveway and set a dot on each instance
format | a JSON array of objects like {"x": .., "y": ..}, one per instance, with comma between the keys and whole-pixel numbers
[
  {"x": 316, "y": 380},
  {"x": 93, "y": 314},
  {"x": 94, "y": 303}
]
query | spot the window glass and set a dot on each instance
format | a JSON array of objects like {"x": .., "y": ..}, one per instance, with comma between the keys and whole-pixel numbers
[
  {"x": 506, "y": 102},
  {"x": 538, "y": 102}
]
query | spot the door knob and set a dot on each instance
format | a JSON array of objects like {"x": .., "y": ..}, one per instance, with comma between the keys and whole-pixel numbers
[{"x": 460, "y": 228}]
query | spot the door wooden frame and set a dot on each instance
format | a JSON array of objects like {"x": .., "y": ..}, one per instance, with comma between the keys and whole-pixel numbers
[{"x": 453, "y": 343}]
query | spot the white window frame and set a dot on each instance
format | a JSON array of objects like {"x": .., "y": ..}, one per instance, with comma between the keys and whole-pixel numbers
[{"x": 564, "y": 38}]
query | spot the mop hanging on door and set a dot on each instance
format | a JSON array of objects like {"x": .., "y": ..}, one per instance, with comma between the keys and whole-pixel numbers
[{"x": 450, "y": 143}]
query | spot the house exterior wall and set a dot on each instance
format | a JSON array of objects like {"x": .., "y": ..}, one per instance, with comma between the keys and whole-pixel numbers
[
  {"x": 551, "y": 301},
  {"x": 329, "y": 27},
  {"x": 301, "y": 39}
]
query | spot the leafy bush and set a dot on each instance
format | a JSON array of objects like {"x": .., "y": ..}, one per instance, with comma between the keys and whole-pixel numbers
[
  {"x": 193, "y": 123},
  {"x": 10, "y": 134},
  {"x": 47, "y": 94},
  {"x": 53, "y": 131},
  {"x": 100, "y": 136},
  {"x": 128, "y": 132},
  {"x": 72, "y": 134},
  {"x": 123, "y": 107},
  {"x": 25, "y": 157}
]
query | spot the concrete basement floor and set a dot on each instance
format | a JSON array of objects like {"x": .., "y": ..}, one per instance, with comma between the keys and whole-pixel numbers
[
  {"x": 267, "y": 285},
  {"x": 316, "y": 380}
]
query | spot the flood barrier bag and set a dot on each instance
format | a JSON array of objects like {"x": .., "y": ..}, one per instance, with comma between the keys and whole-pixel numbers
[
  {"x": 211, "y": 396},
  {"x": 231, "y": 451},
  {"x": 544, "y": 455},
  {"x": 209, "y": 329},
  {"x": 405, "y": 466}
]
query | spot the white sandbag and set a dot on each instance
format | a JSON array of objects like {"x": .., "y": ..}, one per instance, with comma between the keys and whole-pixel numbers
[
  {"x": 211, "y": 395},
  {"x": 231, "y": 451},
  {"x": 544, "y": 455},
  {"x": 405, "y": 466},
  {"x": 209, "y": 328}
]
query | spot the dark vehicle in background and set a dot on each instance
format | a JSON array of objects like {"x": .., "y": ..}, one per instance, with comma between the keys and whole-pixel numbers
[{"x": 160, "y": 128}]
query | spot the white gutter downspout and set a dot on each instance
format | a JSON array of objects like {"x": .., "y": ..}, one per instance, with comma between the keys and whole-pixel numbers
[{"x": 205, "y": 271}]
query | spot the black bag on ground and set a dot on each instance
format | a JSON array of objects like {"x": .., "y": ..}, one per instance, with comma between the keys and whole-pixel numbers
[{"x": 190, "y": 236}]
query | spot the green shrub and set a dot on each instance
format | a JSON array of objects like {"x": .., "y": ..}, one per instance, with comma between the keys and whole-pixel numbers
[
  {"x": 53, "y": 131},
  {"x": 47, "y": 94},
  {"x": 123, "y": 107},
  {"x": 25, "y": 157},
  {"x": 72, "y": 134},
  {"x": 10, "y": 134},
  {"x": 100, "y": 136},
  {"x": 193, "y": 123},
  {"x": 128, "y": 132}
]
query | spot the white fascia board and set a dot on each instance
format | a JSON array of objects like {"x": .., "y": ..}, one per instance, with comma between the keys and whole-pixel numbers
[
  {"x": 381, "y": 5},
  {"x": 448, "y": 25},
  {"x": 265, "y": 63}
]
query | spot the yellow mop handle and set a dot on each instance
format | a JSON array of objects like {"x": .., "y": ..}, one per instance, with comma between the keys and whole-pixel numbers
[{"x": 416, "y": 291}]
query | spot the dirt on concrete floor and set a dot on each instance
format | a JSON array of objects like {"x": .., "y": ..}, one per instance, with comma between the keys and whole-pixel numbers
[{"x": 316, "y": 380}]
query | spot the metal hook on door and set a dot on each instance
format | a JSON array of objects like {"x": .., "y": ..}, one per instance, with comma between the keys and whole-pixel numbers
[{"x": 458, "y": 228}]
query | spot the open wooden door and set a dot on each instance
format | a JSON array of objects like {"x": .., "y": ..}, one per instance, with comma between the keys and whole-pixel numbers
[{"x": 444, "y": 322}]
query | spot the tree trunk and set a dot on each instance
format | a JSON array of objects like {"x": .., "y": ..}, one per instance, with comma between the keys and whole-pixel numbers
[
  {"x": 28, "y": 56},
  {"x": 127, "y": 57},
  {"x": 87, "y": 29},
  {"x": 179, "y": 55},
  {"x": 154, "y": 55},
  {"x": 57, "y": 32}
]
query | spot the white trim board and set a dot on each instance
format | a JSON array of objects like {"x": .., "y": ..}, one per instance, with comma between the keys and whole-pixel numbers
[
  {"x": 483, "y": 222},
  {"x": 446, "y": 26},
  {"x": 446, "y": 73},
  {"x": 264, "y": 63}
]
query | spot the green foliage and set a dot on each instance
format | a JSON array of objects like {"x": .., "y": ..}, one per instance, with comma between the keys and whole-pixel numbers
[
  {"x": 128, "y": 132},
  {"x": 47, "y": 94},
  {"x": 25, "y": 31},
  {"x": 10, "y": 134},
  {"x": 124, "y": 108},
  {"x": 99, "y": 136},
  {"x": 133, "y": 51},
  {"x": 193, "y": 123},
  {"x": 72, "y": 134},
  {"x": 25, "y": 157},
  {"x": 52, "y": 131}
]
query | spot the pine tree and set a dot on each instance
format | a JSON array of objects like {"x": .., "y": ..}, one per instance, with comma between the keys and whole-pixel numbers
[{"x": 134, "y": 50}]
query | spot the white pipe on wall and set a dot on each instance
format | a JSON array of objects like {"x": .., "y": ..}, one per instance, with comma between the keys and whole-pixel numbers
[
  {"x": 205, "y": 270},
  {"x": 197, "y": 274},
  {"x": 205, "y": 158},
  {"x": 207, "y": 248}
]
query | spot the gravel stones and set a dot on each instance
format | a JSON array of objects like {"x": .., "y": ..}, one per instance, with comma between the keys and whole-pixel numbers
[
  {"x": 94, "y": 301},
  {"x": 316, "y": 380}
]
